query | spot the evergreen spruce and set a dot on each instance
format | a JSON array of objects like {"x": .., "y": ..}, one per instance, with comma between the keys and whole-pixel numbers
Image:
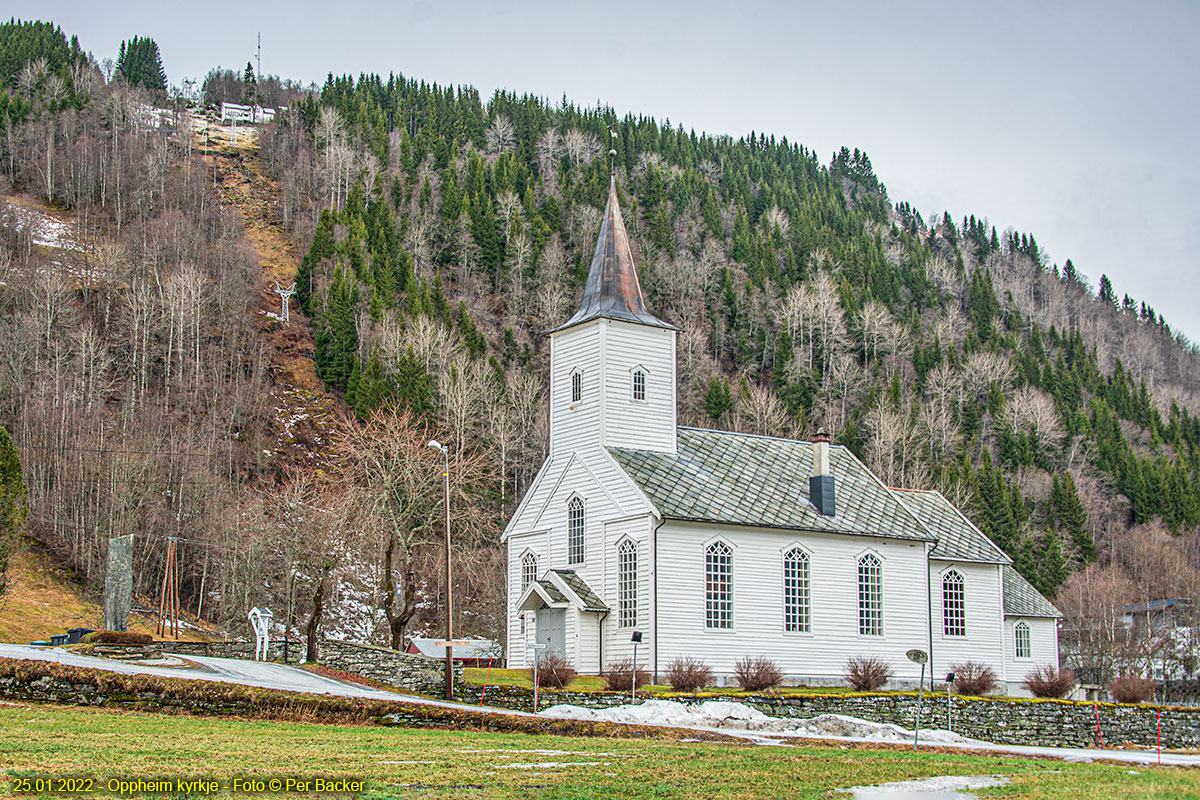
[{"x": 140, "y": 64}]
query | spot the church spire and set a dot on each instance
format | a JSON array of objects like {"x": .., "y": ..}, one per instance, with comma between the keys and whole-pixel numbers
[{"x": 612, "y": 290}]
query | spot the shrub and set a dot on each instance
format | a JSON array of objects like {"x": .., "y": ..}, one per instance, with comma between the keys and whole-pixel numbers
[
  {"x": 688, "y": 674},
  {"x": 867, "y": 673},
  {"x": 973, "y": 678},
  {"x": 117, "y": 637},
  {"x": 1050, "y": 681},
  {"x": 757, "y": 674},
  {"x": 620, "y": 675},
  {"x": 1132, "y": 689},
  {"x": 554, "y": 671}
]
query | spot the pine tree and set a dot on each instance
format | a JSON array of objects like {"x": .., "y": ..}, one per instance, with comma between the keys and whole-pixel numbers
[
  {"x": 12, "y": 502},
  {"x": 718, "y": 400},
  {"x": 140, "y": 64},
  {"x": 1052, "y": 570},
  {"x": 249, "y": 86}
]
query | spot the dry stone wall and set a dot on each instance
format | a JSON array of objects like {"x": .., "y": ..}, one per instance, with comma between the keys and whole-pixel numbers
[{"x": 1051, "y": 723}]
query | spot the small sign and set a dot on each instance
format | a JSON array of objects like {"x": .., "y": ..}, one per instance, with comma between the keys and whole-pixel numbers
[
  {"x": 917, "y": 656},
  {"x": 452, "y": 643}
]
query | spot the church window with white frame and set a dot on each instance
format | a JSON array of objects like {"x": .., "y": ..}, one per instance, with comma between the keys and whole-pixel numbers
[
  {"x": 639, "y": 385},
  {"x": 718, "y": 586},
  {"x": 627, "y": 600},
  {"x": 576, "y": 386},
  {"x": 870, "y": 596},
  {"x": 575, "y": 531},
  {"x": 1023, "y": 646},
  {"x": 528, "y": 570},
  {"x": 796, "y": 609},
  {"x": 954, "y": 606}
]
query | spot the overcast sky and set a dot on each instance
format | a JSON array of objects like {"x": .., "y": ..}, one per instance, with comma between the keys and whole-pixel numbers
[{"x": 1074, "y": 121}]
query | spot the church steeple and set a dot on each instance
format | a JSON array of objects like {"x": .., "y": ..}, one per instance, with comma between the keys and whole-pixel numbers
[{"x": 612, "y": 290}]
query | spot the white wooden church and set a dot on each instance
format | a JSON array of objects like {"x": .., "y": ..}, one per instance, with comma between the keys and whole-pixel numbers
[{"x": 719, "y": 545}]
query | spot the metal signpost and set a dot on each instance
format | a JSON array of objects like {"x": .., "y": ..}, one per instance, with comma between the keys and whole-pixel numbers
[
  {"x": 535, "y": 648},
  {"x": 922, "y": 658},
  {"x": 436, "y": 445}
]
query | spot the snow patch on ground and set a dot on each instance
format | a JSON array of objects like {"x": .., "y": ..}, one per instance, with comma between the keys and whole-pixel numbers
[
  {"x": 736, "y": 716},
  {"x": 940, "y": 786},
  {"x": 553, "y": 764}
]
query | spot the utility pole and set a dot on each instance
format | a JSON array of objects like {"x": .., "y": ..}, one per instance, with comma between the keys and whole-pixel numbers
[
  {"x": 258, "y": 59},
  {"x": 168, "y": 598},
  {"x": 436, "y": 445}
]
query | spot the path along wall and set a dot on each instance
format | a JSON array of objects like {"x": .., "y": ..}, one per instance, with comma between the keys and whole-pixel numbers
[
  {"x": 1052, "y": 723},
  {"x": 414, "y": 673}
]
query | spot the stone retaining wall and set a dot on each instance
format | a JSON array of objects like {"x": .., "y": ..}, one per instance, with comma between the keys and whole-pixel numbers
[
  {"x": 414, "y": 673},
  {"x": 1052, "y": 723}
]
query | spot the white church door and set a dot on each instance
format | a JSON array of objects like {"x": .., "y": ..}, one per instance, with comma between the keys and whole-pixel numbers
[{"x": 552, "y": 630}]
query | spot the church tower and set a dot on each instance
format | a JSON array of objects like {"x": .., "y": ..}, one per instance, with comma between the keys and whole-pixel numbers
[{"x": 612, "y": 364}]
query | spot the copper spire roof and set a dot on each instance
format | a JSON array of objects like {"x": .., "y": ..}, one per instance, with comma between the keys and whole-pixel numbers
[{"x": 612, "y": 288}]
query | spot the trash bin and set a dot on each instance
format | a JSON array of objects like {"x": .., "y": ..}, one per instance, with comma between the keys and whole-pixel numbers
[
  {"x": 58, "y": 639},
  {"x": 75, "y": 634}
]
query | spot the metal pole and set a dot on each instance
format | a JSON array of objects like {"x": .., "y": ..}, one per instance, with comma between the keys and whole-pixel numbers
[
  {"x": 920, "y": 695},
  {"x": 633, "y": 678},
  {"x": 449, "y": 589},
  {"x": 535, "y": 681},
  {"x": 949, "y": 708}
]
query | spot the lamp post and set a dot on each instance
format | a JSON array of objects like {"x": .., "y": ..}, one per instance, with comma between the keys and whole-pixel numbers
[
  {"x": 436, "y": 445},
  {"x": 949, "y": 683},
  {"x": 636, "y": 639},
  {"x": 922, "y": 658}
]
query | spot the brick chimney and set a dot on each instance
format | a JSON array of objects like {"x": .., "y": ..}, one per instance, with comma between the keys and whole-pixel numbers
[{"x": 820, "y": 485}]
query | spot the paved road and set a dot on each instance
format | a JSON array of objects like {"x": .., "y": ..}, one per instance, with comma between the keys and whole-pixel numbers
[
  {"x": 294, "y": 679},
  {"x": 225, "y": 670}
]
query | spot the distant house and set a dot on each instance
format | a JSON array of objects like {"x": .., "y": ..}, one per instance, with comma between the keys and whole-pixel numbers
[
  {"x": 717, "y": 545},
  {"x": 1165, "y": 637},
  {"x": 478, "y": 653}
]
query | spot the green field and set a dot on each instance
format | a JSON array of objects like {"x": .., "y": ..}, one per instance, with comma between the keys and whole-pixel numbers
[{"x": 48, "y": 740}]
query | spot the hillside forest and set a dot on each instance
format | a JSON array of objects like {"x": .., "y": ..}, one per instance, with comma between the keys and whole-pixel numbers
[{"x": 437, "y": 237}]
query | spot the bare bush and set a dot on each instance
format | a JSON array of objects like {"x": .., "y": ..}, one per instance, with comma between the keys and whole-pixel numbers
[
  {"x": 1132, "y": 689},
  {"x": 1049, "y": 681},
  {"x": 621, "y": 674},
  {"x": 688, "y": 674},
  {"x": 757, "y": 674},
  {"x": 867, "y": 673},
  {"x": 973, "y": 678},
  {"x": 554, "y": 671}
]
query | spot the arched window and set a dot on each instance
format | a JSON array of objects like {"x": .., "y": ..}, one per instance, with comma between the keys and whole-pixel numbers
[
  {"x": 1023, "y": 646},
  {"x": 576, "y": 386},
  {"x": 795, "y": 591},
  {"x": 639, "y": 385},
  {"x": 718, "y": 586},
  {"x": 870, "y": 596},
  {"x": 627, "y": 609},
  {"x": 528, "y": 570},
  {"x": 575, "y": 531},
  {"x": 954, "y": 607}
]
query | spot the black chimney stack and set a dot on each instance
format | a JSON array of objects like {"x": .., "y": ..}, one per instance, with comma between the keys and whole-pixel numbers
[{"x": 820, "y": 485}]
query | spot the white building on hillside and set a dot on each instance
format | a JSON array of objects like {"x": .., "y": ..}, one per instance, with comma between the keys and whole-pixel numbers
[{"x": 718, "y": 545}]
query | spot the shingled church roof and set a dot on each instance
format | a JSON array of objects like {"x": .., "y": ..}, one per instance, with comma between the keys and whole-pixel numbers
[{"x": 612, "y": 290}]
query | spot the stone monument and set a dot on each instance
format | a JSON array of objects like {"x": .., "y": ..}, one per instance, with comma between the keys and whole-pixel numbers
[{"x": 118, "y": 583}]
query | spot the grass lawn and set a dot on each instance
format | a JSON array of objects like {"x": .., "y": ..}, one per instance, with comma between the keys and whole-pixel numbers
[{"x": 45, "y": 740}]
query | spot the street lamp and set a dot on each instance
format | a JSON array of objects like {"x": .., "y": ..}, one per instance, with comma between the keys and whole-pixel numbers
[
  {"x": 636, "y": 639},
  {"x": 436, "y": 445},
  {"x": 949, "y": 685}
]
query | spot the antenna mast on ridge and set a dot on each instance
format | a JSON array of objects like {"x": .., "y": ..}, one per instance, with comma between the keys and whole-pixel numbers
[{"x": 258, "y": 59}]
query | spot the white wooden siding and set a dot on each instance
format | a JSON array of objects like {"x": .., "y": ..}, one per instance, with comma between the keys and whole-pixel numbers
[
  {"x": 1043, "y": 650},
  {"x": 758, "y": 601},
  {"x": 573, "y": 425},
  {"x": 984, "y": 618},
  {"x": 647, "y": 424}
]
